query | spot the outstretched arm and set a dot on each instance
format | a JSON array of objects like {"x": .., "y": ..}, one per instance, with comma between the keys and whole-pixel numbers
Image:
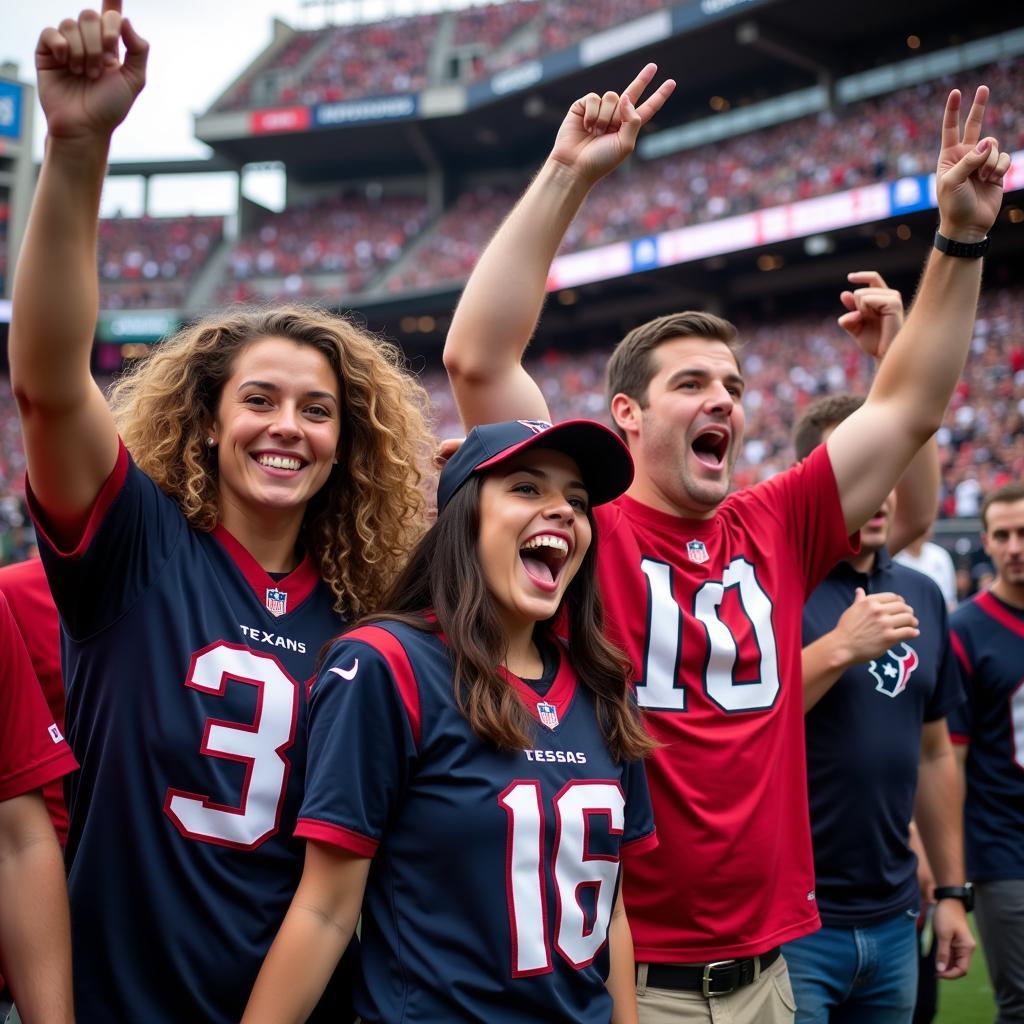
[
  {"x": 873, "y": 318},
  {"x": 35, "y": 935},
  {"x": 502, "y": 300},
  {"x": 872, "y": 448},
  {"x": 85, "y": 91}
]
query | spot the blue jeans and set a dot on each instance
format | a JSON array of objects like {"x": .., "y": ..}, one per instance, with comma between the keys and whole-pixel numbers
[{"x": 856, "y": 975}]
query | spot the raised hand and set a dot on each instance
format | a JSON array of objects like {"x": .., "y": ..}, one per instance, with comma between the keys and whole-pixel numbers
[
  {"x": 599, "y": 132},
  {"x": 874, "y": 312},
  {"x": 84, "y": 87},
  {"x": 969, "y": 177}
]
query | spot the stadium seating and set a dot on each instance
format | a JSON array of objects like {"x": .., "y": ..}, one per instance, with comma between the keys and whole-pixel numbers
[
  {"x": 323, "y": 250},
  {"x": 150, "y": 262}
]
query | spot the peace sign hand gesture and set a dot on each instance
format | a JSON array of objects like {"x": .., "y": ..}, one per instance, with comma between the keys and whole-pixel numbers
[
  {"x": 599, "y": 132},
  {"x": 84, "y": 87},
  {"x": 969, "y": 177}
]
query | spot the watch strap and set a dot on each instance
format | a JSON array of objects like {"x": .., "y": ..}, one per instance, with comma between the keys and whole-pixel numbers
[
  {"x": 963, "y": 893},
  {"x": 965, "y": 250}
]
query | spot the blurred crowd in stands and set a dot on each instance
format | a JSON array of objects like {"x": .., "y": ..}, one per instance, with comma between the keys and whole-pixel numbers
[
  {"x": 336, "y": 248},
  {"x": 349, "y": 240},
  {"x": 150, "y": 262},
  {"x": 786, "y": 366},
  {"x": 384, "y": 58},
  {"x": 450, "y": 251}
]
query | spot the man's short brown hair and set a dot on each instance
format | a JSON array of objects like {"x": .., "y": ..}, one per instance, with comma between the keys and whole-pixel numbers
[
  {"x": 1006, "y": 494},
  {"x": 818, "y": 417},
  {"x": 631, "y": 367}
]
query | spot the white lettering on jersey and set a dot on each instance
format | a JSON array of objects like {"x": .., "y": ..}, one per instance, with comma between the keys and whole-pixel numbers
[
  {"x": 557, "y": 756},
  {"x": 261, "y": 636}
]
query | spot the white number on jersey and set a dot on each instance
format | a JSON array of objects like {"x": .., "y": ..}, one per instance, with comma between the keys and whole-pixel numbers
[
  {"x": 661, "y": 689},
  {"x": 577, "y": 940},
  {"x": 260, "y": 745}
]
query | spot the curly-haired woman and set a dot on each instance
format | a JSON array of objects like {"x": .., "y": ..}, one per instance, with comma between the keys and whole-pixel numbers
[{"x": 255, "y": 485}]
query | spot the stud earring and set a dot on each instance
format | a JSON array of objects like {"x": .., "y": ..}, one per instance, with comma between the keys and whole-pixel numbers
[{"x": 210, "y": 442}]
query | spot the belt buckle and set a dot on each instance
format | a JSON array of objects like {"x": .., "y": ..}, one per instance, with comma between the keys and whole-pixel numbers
[{"x": 706, "y": 979}]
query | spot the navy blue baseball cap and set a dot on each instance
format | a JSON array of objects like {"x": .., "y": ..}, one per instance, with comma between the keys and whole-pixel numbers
[{"x": 604, "y": 461}]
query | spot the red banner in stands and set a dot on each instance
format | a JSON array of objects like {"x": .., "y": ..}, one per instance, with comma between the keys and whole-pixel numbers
[{"x": 279, "y": 119}]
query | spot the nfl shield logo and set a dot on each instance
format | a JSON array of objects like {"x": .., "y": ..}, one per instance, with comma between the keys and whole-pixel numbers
[
  {"x": 697, "y": 552},
  {"x": 277, "y": 601},
  {"x": 548, "y": 715}
]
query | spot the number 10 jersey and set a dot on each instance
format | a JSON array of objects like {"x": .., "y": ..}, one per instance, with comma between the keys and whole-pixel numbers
[{"x": 709, "y": 612}]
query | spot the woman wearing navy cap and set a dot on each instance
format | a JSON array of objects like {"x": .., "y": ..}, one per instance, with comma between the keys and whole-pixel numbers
[{"x": 473, "y": 777}]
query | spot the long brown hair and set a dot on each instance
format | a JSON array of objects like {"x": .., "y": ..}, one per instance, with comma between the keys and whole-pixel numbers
[
  {"x": 444, "y": 575},
  {"x": 362, "y": 522}
]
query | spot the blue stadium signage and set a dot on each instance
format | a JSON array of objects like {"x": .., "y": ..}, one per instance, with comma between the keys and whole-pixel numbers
[
  {"x": 10, "y": 110},
  {"x": 377, "y": 108}
]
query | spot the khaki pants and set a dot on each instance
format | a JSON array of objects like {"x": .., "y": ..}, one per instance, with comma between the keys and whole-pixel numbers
[{"x": 769, "y": 1000}]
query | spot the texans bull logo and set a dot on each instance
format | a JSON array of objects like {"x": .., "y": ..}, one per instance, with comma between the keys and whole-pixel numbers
[{"x": 893, "y": 670}]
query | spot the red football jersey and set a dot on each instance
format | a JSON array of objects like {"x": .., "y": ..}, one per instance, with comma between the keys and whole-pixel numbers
[
  {"x": 28, "y": 596},
  {"x": 33, "y": 751},
  {"x": 709, "y": 612}
]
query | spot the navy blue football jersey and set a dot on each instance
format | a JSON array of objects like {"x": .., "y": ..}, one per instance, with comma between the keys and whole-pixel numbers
[
  {"x": 494, "y": 874},
  {"x": 864, "y": 747},
  {"x": 988, "y": 635},
  {"x": 186, "y": 668}
]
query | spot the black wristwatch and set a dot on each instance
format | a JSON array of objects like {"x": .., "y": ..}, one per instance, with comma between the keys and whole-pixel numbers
[
  {"x": 963, "y": 893},
  {"x": 967, "y": 250}
]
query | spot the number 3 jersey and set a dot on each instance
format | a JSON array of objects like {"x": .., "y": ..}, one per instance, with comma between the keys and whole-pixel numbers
[
  {"x": 186, "y": 709},
  {"x": 709, "y": 612},
  {"x": 494, "y": 874}
]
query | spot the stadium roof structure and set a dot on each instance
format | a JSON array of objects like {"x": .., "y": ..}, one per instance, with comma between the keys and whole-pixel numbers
[{"x": 747, "y": 49}]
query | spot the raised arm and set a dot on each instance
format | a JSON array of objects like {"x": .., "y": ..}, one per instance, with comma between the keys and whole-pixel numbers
[
  {"x": 502, "y": 300},
  {"x": 872, "y": 448},
  {"x": 85, "y": 91},
  {"x": 873, "y": 318}
]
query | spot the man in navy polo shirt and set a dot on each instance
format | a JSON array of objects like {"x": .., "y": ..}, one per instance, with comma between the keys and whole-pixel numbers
[{"x": 879, "y": 679}]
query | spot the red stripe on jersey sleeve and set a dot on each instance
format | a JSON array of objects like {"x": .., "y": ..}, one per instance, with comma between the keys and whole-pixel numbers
[
  {"x": 961, "y": 654},
  {"x": 398, "y": 661},
  {"x": 959, "y": 739},
  {"x": 336, "y": 835},
  {"x": 635, "y": 847},
  {"x": 104, "y": 499}
]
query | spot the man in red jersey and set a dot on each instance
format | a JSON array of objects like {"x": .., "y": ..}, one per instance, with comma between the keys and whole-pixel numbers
[
  {"x": 704, "y": 590},
  {"x": 31, "y": 603},
  {"x": 35, "y": 940}
]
